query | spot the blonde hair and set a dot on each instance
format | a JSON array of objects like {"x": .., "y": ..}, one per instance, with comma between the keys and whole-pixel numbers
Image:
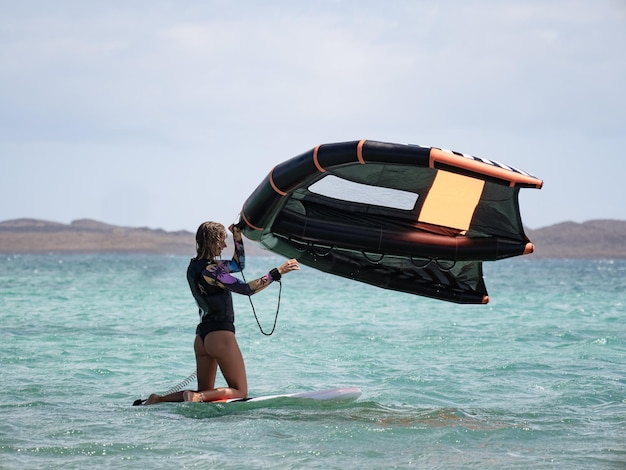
[{"x": 209, "y": 238}]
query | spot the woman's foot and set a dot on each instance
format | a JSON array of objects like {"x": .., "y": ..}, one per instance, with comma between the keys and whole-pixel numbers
[
  {"x": 153, "y": 399},
  {"x": 188, "y": 395}
]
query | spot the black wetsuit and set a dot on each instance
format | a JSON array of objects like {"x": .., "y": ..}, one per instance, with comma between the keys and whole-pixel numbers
[{"x": 211, "y": 285}]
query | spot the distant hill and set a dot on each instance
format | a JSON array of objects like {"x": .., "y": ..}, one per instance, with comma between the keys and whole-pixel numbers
[
  {"x": 593, "y": 239},
  {"x": 85, "y": 236},
  {"x": 91, "y": 236}
]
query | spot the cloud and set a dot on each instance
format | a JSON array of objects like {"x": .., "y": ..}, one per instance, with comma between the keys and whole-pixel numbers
[{"x": 225, "y": 90}]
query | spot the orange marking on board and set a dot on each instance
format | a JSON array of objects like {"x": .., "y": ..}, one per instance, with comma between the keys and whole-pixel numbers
[
  {"x": 316, "y": 161},
  {"x": 437, "y": 155},
  {"x": 359, "y": 152},
  {"x": 274, "y": 187}
]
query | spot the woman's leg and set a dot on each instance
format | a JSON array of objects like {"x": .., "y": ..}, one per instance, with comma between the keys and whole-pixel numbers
[
  {"x": 223, "y": 348},
  {"x": 172, "y": 397},
  {"x": 206, "y": 366}
]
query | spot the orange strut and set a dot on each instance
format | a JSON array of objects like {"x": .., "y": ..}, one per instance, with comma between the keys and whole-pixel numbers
[
  {"x": 274, "y": 187},
  {"x": 317, "y": 163},
  {"x": 359, "y": 151},
  {"x": 440, "y": 156},
  {"x": 245, "y": 219}
]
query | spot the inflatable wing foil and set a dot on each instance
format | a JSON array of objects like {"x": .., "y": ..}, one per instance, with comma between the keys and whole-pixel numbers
[{"x": 403, "y": 217}]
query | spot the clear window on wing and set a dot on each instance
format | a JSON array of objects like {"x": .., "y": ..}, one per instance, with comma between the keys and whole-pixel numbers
[{"x": 338, "y": 188}]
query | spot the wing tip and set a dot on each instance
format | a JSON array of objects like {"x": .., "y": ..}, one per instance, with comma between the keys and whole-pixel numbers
[
  {"x": 529, "y": 248},
  {"x": 245, "y": 221},
  {"x": 485, "y": 299}
]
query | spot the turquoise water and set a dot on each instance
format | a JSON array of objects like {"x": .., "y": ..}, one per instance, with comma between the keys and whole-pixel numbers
[{"x": 535, "y": 379}]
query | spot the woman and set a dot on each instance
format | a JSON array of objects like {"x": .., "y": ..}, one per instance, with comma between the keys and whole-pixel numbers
[{"x": 215, "y": 344}]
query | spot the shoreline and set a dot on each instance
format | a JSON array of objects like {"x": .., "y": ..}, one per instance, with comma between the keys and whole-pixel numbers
[{"x": 596, "y": 239}]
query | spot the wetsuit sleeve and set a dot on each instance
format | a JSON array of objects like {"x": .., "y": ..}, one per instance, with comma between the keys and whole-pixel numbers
[
  {"x": 218, "y": 275},
  {"x": 238, "y": 263}
]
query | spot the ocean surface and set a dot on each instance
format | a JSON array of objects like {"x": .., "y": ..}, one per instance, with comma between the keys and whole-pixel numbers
[{"x": 535, "y": 379}]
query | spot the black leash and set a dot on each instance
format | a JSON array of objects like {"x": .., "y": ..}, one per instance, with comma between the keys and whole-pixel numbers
[
  {"x": 240, "y": 224},
  {"x": 175, "y": 389},
  {"x": 280, "y": 290}
]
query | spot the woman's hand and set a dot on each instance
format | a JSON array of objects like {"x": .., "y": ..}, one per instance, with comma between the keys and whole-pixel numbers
[
  {"x": 289, "y": 265},
  {"x": 235, "y": 231}
]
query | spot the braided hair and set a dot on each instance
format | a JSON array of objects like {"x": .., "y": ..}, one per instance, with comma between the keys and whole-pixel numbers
[{"x": 209, "y": 238}]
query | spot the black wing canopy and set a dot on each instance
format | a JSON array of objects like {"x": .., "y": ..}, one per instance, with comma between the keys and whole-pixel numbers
[{"x": 401, "y": 217}]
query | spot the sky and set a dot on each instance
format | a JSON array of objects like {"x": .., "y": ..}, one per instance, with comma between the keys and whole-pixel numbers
[{"x": 164, "y": 114}]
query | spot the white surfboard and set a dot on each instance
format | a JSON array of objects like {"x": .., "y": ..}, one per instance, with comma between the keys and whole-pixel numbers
[{"x": 345, "y": 394}]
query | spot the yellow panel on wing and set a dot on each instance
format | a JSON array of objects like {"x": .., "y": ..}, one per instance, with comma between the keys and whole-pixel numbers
[{"x": 451, "y": 201}]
